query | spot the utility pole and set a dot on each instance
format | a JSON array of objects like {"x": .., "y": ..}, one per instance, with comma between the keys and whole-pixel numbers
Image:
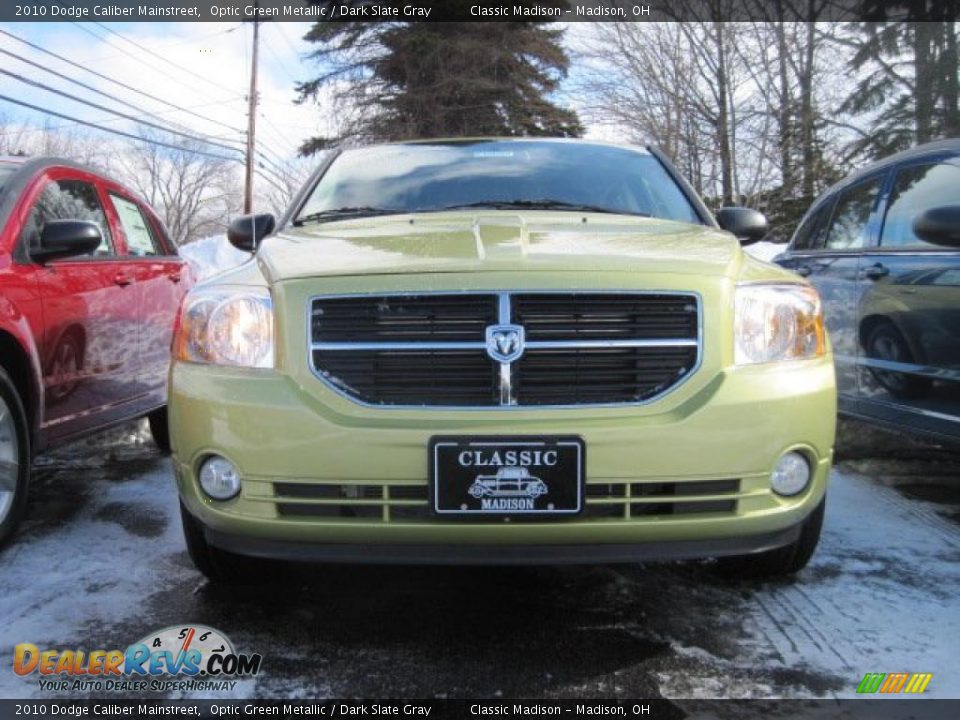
[{"x": 251, "y": 123}]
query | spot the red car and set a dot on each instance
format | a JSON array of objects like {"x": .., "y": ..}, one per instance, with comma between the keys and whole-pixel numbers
[{"x": 90, "y": 285}]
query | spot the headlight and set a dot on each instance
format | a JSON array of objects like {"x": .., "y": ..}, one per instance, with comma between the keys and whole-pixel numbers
[
  {"x": 777, "y": 322},
  {"x": 226, "y": 326}
]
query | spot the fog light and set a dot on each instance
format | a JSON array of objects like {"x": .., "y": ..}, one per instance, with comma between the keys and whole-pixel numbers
[
  {"x": 219, "y": 478},
  {"x": 791, "y": 475}
]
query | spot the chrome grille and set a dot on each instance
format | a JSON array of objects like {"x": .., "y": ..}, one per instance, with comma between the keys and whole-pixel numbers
[{"x": 453, "y": 349}]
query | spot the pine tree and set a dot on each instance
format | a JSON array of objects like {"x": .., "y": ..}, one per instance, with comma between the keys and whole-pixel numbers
[
  {"x": 909, "y": 75},
  {"x": 431, "y": 80}
]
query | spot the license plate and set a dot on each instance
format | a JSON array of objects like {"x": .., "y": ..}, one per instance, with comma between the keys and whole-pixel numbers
[{"x": 500, "y": 476}]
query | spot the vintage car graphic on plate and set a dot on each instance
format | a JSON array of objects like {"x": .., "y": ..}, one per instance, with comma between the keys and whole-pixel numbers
[{"x": 507, "y": 483}]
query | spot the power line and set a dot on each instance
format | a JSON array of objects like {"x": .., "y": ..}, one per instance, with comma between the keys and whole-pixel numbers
[
  {"x": 134, "y": 118},
  {"x": 277, "y": 156},
  {"x": 178, "y": 43},
  {"x": 91, "y": 88},
  {"x": 277, "y": 171},
  {"x": 116, "y": 132},
  {"x": 161, "y": 57},
  {"x": 113, "y": 119},
  {"x": 164, "y": 71},
  {"x": 269, "y": 154},
  {"x": 122, "y": 84},
  {"x": 280, "y": 62},
  {"x": 283, "y": 33},
  {"x": 270, "y": 182},
  {"x": 264, "y": 171}
]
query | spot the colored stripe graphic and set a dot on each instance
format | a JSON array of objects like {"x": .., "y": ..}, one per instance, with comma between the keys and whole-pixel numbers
[
  {"x": 871, "y": 682},
  {"x": 918, "y": 683},
  {"x": 892, "y": 683}
]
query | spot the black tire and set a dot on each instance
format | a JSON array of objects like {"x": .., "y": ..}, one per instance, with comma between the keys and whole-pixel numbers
[
  {"x": 217, "y": 565},
  {"x": 885, "y": 342},
  {"x": 67, "y": 359},
  {"x": 14, "y": 508},
  {"x": 783, "y": 561},
  {"x": 160, "y": 429}
]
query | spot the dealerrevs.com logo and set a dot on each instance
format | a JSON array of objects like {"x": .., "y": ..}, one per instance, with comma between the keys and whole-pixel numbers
[{"x": 180, "y": 657}]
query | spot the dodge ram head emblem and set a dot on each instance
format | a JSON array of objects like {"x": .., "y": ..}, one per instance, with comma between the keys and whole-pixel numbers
[{"x": 504, "y": 342}]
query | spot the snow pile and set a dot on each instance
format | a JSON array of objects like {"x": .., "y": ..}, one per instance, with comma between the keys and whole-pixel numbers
[
  {"x": 212, "y": 255},
  {"x": 765, "y": 250}
]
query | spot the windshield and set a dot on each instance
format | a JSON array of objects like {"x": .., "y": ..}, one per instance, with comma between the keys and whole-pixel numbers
[{"x": 526, "y": 174}]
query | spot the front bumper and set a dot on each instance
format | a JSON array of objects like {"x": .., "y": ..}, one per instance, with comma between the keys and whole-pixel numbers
[
  {"x": 282, "y": 431},
  {"x": 447, "y": 554}
]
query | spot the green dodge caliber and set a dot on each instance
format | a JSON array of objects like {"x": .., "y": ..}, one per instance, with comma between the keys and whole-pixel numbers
[{"x": 502, "y": 352}]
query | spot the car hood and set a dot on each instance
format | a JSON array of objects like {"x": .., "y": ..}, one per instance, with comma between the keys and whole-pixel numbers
[{"x": 499, "y": 241}]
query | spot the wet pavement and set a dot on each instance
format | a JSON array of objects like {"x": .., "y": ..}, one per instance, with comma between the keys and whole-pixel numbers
[{"x": 100, "y": 563}]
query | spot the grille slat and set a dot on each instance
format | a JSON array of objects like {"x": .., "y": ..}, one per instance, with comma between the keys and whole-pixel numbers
[
  {"x": 409, "y": 503},
  {"x": 397, "y": 317},
  {"x": 412, "y": 373},
  {"x": 607, "y": 317}
]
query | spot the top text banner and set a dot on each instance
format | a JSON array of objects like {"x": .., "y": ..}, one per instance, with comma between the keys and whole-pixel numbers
[{"x": 463, "y": 11}]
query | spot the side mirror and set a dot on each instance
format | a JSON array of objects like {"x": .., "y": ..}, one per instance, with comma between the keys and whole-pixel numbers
[
  {"x": 246, "y": 231},
  {"x": 747, "y": 225},
  {"x": 940, "y": 226},
  {"x": 66, "y": 238}
]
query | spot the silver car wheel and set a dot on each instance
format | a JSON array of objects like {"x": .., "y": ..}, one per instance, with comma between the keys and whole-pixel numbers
[{"x": 9, "y": 460}]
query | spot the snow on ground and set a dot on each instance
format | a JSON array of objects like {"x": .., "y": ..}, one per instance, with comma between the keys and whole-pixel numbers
[
  {"x": 100, "y": 563},
  {"x": 212, "y": 255},
  {"x": 880, "y": 594}
]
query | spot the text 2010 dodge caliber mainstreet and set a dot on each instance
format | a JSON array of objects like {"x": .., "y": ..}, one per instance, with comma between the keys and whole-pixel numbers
[{"x": 502, "y": 352}]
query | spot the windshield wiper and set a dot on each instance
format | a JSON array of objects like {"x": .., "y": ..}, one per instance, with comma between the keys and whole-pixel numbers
[
  {"x": 346, "y": 212},
  {"x": 542, "y": 204}
]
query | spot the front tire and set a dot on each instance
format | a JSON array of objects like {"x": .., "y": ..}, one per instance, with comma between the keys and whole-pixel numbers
[
  {"x": 160, "y": 429},
  {"x": 885, "y": 342},
  {"x": 14, "y": 458},
  {"x": 787, "y": 560}
]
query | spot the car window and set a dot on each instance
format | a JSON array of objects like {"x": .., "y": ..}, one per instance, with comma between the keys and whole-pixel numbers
[
  {"x": 950, "y": 277},
  {"x": 140, "y": 238},
  {"x": 68, "y": 200},
  {"x": 810, "y": 233},
  {"x": 916, "y": 190},
  {"x": 848, "y": 228}
]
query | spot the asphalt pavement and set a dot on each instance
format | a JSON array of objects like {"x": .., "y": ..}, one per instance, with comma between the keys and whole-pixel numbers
[{"x": 100, "y": 563}]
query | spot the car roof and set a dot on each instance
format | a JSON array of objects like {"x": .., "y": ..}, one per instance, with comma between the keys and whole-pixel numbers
[
  {"x": 32, "y": 164},
  {"x": 27, "y": 167},
  {"x": 641, "y": 148},
  {"x": 948, "y": 146}
]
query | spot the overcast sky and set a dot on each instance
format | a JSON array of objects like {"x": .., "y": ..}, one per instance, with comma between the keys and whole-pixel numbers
[{"x": 200, "y": 66}]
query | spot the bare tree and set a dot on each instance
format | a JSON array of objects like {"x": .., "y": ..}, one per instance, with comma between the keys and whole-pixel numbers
[
  {"x": 673, "y": 84},
  {"x": 277, "y": 182},
  {"x": 742, "y": 107},
  {"x": 195, "y": 195},
  {"x": 50, "y": 140}
]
